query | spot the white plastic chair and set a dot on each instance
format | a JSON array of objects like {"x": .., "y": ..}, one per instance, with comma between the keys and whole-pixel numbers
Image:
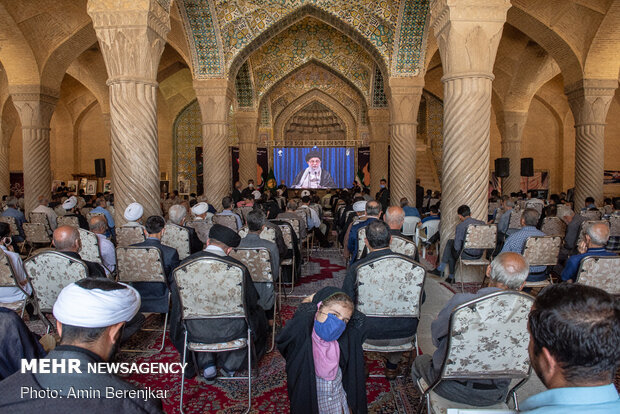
[{"x": 409, "y": 225}]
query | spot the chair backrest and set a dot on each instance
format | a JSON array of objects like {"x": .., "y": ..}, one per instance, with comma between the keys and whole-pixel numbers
[
  {"x": 126, "y": 236},
  {"x": 258, "y": 262},
  {"x": 600, "y": 271},
  {"x": 176, "y": 237},
  {"x": 36, "y": 233},
  {"x": 295, "y": 224},
  {"x": 390, "y": 286},
  {"x": 536, "y": 206},
  {"x": 553, "y": 226},
  {"x": 140, "y": 264},
  {"x": 226, "y": 220},
  {"x": 85, "y": 210},
  {"x": 210, "y": 288},
  {"x": 267, "y": 233},
  {"x": 49, "y": 272},
  {"x": 36, "y": 217},
  {"x": 202, "y": 228},
  {"x": 403, "y": 246},
  {"x": 592, "y": 214},
  {"x": 361, "y": 237},
  {"x": 614, "y": 226},
  {"x": 409, "y": 225},
  {"x": 90, "y": 215},
  {"x": 492, "y": 207},
  {"x": 7, "y": 275},
  {"x": 488, "y": 338},
  {"x": 431, "y": 226},
  {"x": 515, "y": 219},
  {"x": 349, "y": 213},
  {"x": 542, "y": 250},
  {"x": 287, "y": 235},
  {"x": 68, "y": 221},
  {"x": 244, "y": 210},
  {"x": 90, "y": 246},
  {"x": 12, "y": 224},
  {"x": 521, "y": 204},
  {"x": 584, "y": 226},
  {"x": 480, "y": 236}
]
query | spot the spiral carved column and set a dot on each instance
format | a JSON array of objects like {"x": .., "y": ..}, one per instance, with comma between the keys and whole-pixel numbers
[
  {"x": 214, "y": 97},
  {"x": 405, "y": 94},
  {"x": 247, "y": 127},
  {"x": 35, "y": 109},
  {"x": 468, "y": 33},
  {"x": 589, "y": 101},
  {"x": 379, "y": 122},
  {"x": 5, "y": 185},
  {"x": 511, "y": 125}
]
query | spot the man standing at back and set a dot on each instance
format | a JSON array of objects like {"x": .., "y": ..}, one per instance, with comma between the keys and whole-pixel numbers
[{"x": 574, "y": 349}]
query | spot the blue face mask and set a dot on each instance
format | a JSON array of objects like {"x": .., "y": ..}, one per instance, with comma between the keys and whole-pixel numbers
[
  {"x": 382, "y": 186},
  {"x": 331, "y": 329}
]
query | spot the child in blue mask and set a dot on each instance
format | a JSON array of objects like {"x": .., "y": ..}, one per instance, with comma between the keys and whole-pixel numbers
[{"x": 322, "y": 346}]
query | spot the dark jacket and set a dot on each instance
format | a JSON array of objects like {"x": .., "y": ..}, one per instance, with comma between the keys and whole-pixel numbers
[
  {"x": 16, "y": 342},
  {"x": 326, "y": 179},
  {"x": 295, "y": 344}
]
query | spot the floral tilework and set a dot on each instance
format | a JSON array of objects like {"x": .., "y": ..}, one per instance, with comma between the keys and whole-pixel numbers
[
  {"x": 409, "y": 52},
  {"x": 187, "y": 136}
]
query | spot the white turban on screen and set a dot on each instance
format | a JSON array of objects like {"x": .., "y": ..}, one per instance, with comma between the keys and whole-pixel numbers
[{"x": 96, "y": 308}]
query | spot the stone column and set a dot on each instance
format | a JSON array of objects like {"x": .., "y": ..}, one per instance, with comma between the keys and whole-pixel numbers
[
  {"x": 379, "y": 122},
  {"x": 511, "y": 124},
  {"x": 214, "y": 97},
  {"x": 468, "y": 33},
  {"x": 405, "y": 94},
  {"x": 589, "y": 100},
  {"x": 246, "y": 123},
  {"x": 35, "y": 106},
  {"x": 132, "y": 36},
  {"x": 6, "y": 130}
]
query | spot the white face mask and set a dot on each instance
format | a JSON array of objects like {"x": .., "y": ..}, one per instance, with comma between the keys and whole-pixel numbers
[
  {"x": 382, "y": 186},
  {"x": 250, "y": 185}
]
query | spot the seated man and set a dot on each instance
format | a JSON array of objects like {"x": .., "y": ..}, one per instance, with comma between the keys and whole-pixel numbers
[
  {"x": 314, "y": 222},
  {"x": 20, "y": 219},
  {"x": 381, "y": 331},
  {"x": 373, "y": 212},
  {"x": 516, "y": 242},
  {"x": 507, "y": 271},
  {"x": 454, "y": 246},
  {"x": 574, "y": 349},
  {"x": 573, "y": 227},
  {"x": 394, "y": 218},
  {"x": 155, "y": 295},
  {"x": 70, "y": 207},
  {"x": 44, "y": 207},
  {"x": 409, "y": 211},
  {"x": 101, "y": 207},
  {"x": 614, "y": 240},
  {"x": 90, "y": 316},
  {"x": 99, "y": 226},
  {"x": 13, "y": 293},
  {"x": 133, "y": 214},
  {"x": 221, "y": 241},
  {"x": 291, "y": 206},
  {"x": 595, "y": 239},
  {"x": 16, "y": 342},
  {"x": 256, "y": 224},
  {"x": 177, "y": 215},
  {"x": 433, "y": 214},
  {"x": 227, "y": 206},
  {"x": 66, "y": 239}
]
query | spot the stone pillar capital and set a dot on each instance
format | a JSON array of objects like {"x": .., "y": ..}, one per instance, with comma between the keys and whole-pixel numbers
[
  {"x": 589, "y": 100},
  {"x": 511, "y": 124},
  {"x": 214, "y": 98},
  {"x": 468, "y": 33},
  {"x": 35, "y": 104},
  {"x": 405, "y": 94}
]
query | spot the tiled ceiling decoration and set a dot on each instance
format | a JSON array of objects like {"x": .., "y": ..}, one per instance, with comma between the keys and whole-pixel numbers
[
  {"x": 379, "y": 100},
  {"x": 410, "y": 44},
  {"x": 203, "y": 42},
  {"x": 307, "y": 40},
  {"x": 243, "y": 84}
]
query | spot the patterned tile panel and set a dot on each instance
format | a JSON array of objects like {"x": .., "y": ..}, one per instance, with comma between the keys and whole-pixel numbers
[
  {"x": 409, "y": 49},
  {"x": 202, "y": 39},
  {"x": 187, "y": 135}
]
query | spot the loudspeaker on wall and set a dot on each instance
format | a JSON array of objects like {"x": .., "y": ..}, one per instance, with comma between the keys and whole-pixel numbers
[
  {"x": 527, "y": 167},
  {"x": 100, "y": 167},
  {"x": 502, "y": 167}
]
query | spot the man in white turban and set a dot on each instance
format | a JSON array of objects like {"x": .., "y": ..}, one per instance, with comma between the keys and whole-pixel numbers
[
  {"x": 314, "y": 176},
  {"x": 90, "y": 316},
  {"x": 202, "y": 221},
  {"x": 70, "y": 207},
  {"x": 133, "y": 213}
]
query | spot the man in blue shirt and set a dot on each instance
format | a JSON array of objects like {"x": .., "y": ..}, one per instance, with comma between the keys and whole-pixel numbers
[
  {"x": 12, "y": 211},
  {"x": 574, "y": 349},
  {"x": 596, "y": 237},
  {"x": 373, "y": 211},
  {"x": 516, "y": 242},
  {"x": 101, "y": 205},
  {"x": 409, "y": 211}
]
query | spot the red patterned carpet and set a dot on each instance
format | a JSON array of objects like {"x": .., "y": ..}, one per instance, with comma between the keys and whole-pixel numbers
[{"x": 269, "y": 394}]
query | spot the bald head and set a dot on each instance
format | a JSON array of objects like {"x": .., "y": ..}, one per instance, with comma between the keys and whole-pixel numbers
[
  {"x": 509, "y": 269},
  {"x": 98, "y": 224},
  {"x": 373, "y": 208},
  {"x": 67, "y": 238},
  {"x": 394, "y": 217},
  {"x": 598, "y": 233}
]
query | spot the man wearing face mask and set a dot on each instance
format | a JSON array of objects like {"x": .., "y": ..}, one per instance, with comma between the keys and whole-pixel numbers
[
  {"x": 322, "y": 346},
  {"x": 383, "y": 196},
  {"x": 314, "y": 176},
  {"x": 90, "y": 316}
]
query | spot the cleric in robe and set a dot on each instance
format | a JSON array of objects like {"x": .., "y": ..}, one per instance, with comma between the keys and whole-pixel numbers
[{"x": 314, "y": 176}]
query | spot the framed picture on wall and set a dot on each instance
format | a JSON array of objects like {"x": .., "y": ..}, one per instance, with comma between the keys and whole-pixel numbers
[
  {"x": 83, "y": 182},
  {"x": 91, "y": 187},
  {"x": 55, "y": 185},
  {"x": 184, "y": 186},
  {"x": 107, "y": 186},
  {"x": 72, "y": 186}
]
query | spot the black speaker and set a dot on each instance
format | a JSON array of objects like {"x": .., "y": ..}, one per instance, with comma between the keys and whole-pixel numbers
[
  {"x": 527, "y": 167},
  {"x": 100, "y": 167},
  {"x": 502, "y": 167}
]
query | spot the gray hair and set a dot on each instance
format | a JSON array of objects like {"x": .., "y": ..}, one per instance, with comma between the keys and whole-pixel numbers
[
  {"x": 177, "y": 213},
  {"x": 11, "y": 201},
  {"x": 291, "y": 205},
  {"x": 373, "y": 208},
  {"x": 598, "y": 232},
  {"x": 394, "y": 216},
  {"x": 510, "y": 203},
  {"x": 98, "y": 224},
  {"x": 510, "y": 269},
  {"x": 530, "y": 217}
]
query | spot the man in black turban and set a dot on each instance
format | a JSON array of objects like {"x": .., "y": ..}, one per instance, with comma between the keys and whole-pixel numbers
[
  {"x": 314, "y": 176},
  {"x": 219, "y": 244}
]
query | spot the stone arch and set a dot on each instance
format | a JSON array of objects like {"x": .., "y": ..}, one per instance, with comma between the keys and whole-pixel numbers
[
  {"x": 307, "y": 98},
  {"x": 76, "y": 133},
  {"x": 16, "y": 55},
  {"x": 560, "y": 137},
  {"x": 297, "y": 15},
  {"x": 603, "y": 60}
]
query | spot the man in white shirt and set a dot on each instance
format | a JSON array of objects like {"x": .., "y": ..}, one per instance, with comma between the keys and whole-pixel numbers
[
  {"x": 49, "y": 212},
  {"x": 13, "y": 293},
  {"x": 98, "y": 225}
]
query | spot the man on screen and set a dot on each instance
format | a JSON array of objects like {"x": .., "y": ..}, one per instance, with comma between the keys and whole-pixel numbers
[{"x": 314, "y": 176}]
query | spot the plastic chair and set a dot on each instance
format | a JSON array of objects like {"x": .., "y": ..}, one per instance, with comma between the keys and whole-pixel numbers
[{"x": 409, "y": 225}]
